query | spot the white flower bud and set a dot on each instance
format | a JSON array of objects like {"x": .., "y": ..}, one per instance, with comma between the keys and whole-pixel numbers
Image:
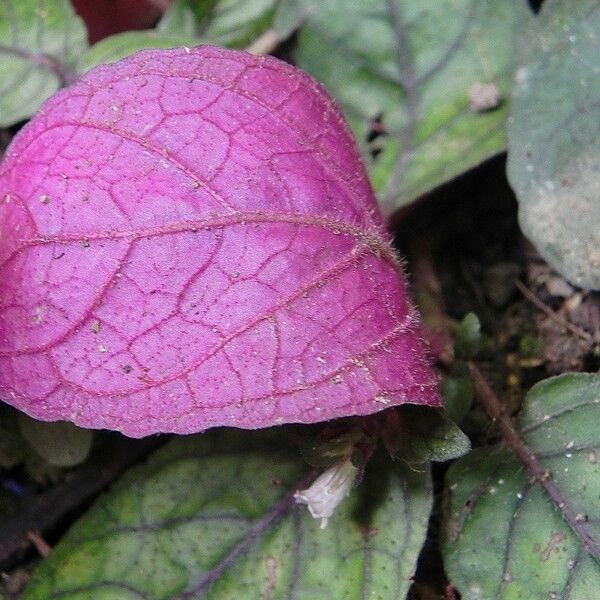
[{"x": 328, "y": 490}]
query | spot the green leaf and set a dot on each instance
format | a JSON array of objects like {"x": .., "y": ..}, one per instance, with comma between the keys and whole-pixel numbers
[
  {"x": 457, "y": 391},
  {"x": 211, "y": 516},
  {"x": 408, "y": 68},
  {"x": 428, "y": 435},
  {"x": 59, "y": 443},
  {"x": 468, "y": 337},
  {"x": 40, "y": 41},
  {"x": 505, "y": 539},
  {"x": 120, "y": 45},
  {"x": 554, "y": 139},
  {"x": 231, "y": 23},
  {"x": 178, "y": 19}
]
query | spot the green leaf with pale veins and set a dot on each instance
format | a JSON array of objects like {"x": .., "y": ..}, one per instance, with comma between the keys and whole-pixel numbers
[
  {"x": 211, "y": 516},
  {"x": 554, "y": 138},
  {"x": 178, "y": 19},
  {"x": 230, "y": 23},
  {"x": 504, "y": 537},
  {"x": 40, "y": 42},
  {"x": 408, "y": 68}
]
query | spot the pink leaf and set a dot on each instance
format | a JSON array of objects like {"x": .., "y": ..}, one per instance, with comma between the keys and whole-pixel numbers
[{"x": 190, "y": 240}]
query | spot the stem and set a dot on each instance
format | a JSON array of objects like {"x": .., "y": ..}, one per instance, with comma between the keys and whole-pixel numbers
[
  {"x": 264, "y": 43},
  {"x": 408, "y": 77},
  {"x": 584, "y": 335},
  {"x": 496, "y": 413}
]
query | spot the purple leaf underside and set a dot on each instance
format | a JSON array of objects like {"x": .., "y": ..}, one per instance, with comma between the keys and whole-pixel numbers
[{"x": 190, "y": 240}]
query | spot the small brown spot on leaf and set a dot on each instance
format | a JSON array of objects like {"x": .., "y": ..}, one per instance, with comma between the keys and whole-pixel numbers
[
  {"x": 555, "y": 539},
  {"x": 271, "y": 568}
]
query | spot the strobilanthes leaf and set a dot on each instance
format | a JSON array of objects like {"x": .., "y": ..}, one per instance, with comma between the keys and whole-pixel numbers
[{"x": 190, "y": 240}]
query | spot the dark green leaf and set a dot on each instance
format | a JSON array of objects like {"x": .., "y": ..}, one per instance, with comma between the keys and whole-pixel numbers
[
  {"x": 228, "y": 23},
  {"x": 60, "y": 443},
  {"x": 231, "y": 23},
  {"x": 178, "y": 19},
  {"x": 428, "y": 435},
  {"x": 210, "y": 516},
  {"x": 468, "y": 337},
  {"x": 505, "y": 539},
  {"x": 409, "y": 76},
  {"x": 457, "y": 391},
  {"x": 554, "y": 138}
]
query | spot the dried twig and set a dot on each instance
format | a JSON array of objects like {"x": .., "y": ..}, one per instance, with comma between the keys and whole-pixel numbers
[
  {"x": 264, "y": 43},
  {"x": 41, "y": 545},
  {"x": 552, "y": 314}
]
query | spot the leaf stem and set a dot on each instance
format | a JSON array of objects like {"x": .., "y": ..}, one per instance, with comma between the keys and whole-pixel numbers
[
  {"x": 496, "y": 412},
  {"x": 265, "y": 43},
  {"x": 408, "y": 78}
]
